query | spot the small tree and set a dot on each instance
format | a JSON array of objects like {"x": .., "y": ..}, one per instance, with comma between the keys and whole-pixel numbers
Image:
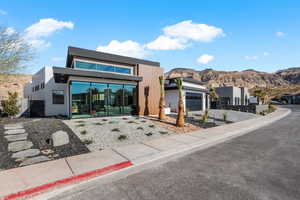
[
  {"x": 10, "y": 106},
  {"x": 180, "y": 116},
  {"x": 162, "y": 114},
  {"x": 15, "y": 51},
  {"x": 214, "y": 95}
]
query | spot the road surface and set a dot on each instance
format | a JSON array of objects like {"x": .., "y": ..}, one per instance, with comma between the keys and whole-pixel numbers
[{"x": 264, "y": 164}]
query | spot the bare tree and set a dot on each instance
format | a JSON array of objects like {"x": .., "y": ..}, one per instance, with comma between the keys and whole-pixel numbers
[{"x": 15, "y": 51}]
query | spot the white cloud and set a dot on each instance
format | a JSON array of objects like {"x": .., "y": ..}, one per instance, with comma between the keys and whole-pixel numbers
[
  {"x": 280, "y": 34},
  {"x": 10, "y": 31},
  {"x": 167, "y": 43},
  {"x": 126, "y": 48},
  {"x": 3, "y": 12},
  {"x": 189, "y": 30},
  {"x": 180, "y": 35},
  {"x": 39, "y": 44},
  {"x": 266, "y": 53},
  {"x": 46, "y": 27},
  {"x": 251, "y": 57},
  {"x": 205, "y": 58},
  {"x": 57, "y": 59}
]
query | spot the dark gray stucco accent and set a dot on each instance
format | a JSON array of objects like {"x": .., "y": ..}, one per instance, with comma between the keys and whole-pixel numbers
[
  {"x": 61, "y": 75},
  {"x": 101, "y": 56}
]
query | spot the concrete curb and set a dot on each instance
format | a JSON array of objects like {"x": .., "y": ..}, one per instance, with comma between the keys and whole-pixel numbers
[{"x": 240, "y": 128}]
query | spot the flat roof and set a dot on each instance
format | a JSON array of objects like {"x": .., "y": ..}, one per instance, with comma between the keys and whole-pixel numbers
[
  {"x": 101, "y": 56},
  {"x": 61, "y": 75}
]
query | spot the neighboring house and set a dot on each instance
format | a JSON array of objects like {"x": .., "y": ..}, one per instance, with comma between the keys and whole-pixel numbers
[
  {"x": 96, "y": 84},
  {"x": 196, "y": 96},
  {"x": 290, "y": 98},
  {"x": 230, "y": 95}
]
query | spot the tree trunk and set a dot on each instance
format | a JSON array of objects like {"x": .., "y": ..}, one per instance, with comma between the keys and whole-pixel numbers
[
  {"x": 180, "y": 117},
  {"x": 162, "y": 114}
]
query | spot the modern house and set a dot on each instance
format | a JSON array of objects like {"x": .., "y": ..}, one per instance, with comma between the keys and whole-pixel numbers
[
  {"x": 230, "y": 95},
  {"x": 95, "y": 84},
  {"x": 196, "y": 96}
]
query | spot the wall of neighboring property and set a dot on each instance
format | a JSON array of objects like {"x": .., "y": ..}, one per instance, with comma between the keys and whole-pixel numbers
[
  {"x": 171, "y": 99},
  {"x": 50, "y": 85},
  {"x": 149, "y": 89},
  {"x": 225, "y": 92},
  {"x": 236, "y": 92}
]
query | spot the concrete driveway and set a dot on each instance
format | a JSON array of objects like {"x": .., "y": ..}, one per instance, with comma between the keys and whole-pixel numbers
[{"x": 264, "y": 164}]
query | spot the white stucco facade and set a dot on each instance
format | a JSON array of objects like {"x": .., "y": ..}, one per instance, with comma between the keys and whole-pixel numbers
[{"x": 45, "y": 77}]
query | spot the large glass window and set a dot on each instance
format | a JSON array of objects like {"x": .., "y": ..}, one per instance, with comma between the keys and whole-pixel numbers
[
  {"x": 102, "y": 67},
  {"x": 80, "y": 99},
  {"x": 91, "y": 99}
]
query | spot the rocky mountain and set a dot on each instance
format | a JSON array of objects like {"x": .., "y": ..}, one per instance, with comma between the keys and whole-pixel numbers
[
  {"x": 13, "y": 83},
  {"x": 247, "y": 78}
]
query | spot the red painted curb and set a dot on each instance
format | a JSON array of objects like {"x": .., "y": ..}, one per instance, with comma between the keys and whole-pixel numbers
[{"x": 43, "y": 188}]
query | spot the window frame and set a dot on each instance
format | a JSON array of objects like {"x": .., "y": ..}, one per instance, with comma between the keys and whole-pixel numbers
[{"x": 53, "y": 95}]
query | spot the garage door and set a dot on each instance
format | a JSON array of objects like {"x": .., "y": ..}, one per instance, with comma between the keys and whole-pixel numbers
[{"x": 193, "y": 101}]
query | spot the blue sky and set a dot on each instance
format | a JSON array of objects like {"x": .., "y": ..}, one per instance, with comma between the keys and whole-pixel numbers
[{"x": 223, "y": 35}]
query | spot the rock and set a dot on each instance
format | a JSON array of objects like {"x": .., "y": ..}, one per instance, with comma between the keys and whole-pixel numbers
[
  {"x": 14, "y": 131},
  {"x": 34, "y": 160},
  {"x": 19, "y": 146},
  {"x": 12, "y": 138},
  {"x": 60, "y": 138},
  {"x": 13, "y": 126},
  {"x": 26, "y": 153}
]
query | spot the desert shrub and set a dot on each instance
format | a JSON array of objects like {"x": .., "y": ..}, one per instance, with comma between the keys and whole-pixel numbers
[
  {"x": 151, "y": 126},
  {"x": 224, "y": 116},
  {"x": 84, "y": 132},
  {"x": 80, "y": 125},
  {"x": 163, "y": 132},
  {"x": 88, "y": 141},
  {"x": 10, "y": 106},
  {"x": 140, "y": 128},
  {"x": 205, "y": 116},
  {"x": 122, "y": 137},
  {"x": 115, "y": 130},
  {"x": 149, "y": 134},
  {"x": 271, "y": 108}
]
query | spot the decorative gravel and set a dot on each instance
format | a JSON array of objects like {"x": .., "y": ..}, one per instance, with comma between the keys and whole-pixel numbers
[{"x": 103, "y": 133}]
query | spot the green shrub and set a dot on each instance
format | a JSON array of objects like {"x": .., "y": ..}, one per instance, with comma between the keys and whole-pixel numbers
[
  {"x": 224, "y": 116},
  {"x": 205, "y": 116},
  {"x": 163, "y": 132},
  {"x": 80, "y": 125},
  {"x": 10, "y": 106},
  {"x": 84, "y": 132},
  {"x": 149, "y": 134},
  {"x": 88, "y": 141},
  {"x": 140, "y": 128},
  {"x": 115, "y": 130},
  {"x": 122, "y": 137},
  {"x": 151, "y": 126},
  {"x": 271, "y": 108}
]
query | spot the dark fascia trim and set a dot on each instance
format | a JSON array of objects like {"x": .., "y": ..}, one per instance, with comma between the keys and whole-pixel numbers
[
  {"x": 188, "y": 88},
  {"x": 101, "y": 56},
  {"x": 189, "y": 80},
  {"x": 65, "y": 72}
]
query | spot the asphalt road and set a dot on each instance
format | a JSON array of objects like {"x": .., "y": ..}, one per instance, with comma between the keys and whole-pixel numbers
[{"x": 264, "y": 164}]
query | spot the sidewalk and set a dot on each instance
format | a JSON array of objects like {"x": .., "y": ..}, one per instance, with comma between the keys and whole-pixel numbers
[{"x": 34, "y": 179}]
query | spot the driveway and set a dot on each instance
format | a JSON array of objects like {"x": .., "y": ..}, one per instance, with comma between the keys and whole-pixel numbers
[{"x": 264, "y": 164}]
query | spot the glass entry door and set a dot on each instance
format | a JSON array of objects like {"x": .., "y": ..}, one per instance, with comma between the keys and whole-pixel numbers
[
  {"x": 115, "y": 99},
  {"x": 80, "y": 99},
  {"x": 98, "y": 99}
]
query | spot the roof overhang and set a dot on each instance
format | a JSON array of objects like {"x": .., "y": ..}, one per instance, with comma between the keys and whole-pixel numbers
[
  {"x": 61, "y": 75},
  {"x": 106, "y": 57},
  {"x": 188, "y": 88}
]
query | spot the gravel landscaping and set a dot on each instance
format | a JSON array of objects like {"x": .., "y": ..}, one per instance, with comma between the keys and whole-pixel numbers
[
  {"x": 29, "y": 141},
  {"x": 103, "y": 133}
]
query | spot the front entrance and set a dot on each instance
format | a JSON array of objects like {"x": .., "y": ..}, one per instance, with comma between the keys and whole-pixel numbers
[{"x": 90, "y": 99}]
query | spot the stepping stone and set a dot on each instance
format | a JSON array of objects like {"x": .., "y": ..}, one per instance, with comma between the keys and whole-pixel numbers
[
  {"x": 13, "y": 126},
  {"x": 14, "y": 131},
  {"x": 60, "y": 138},
  {"x": 34, "y": 160},
  {"x": 26, "y": 153},
  {"x": 19, "y": 146},
  {"x": 12, "y": 138}
]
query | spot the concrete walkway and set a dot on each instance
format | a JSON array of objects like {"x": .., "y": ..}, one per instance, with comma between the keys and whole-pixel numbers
[{"x": 20, "y": 179}]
